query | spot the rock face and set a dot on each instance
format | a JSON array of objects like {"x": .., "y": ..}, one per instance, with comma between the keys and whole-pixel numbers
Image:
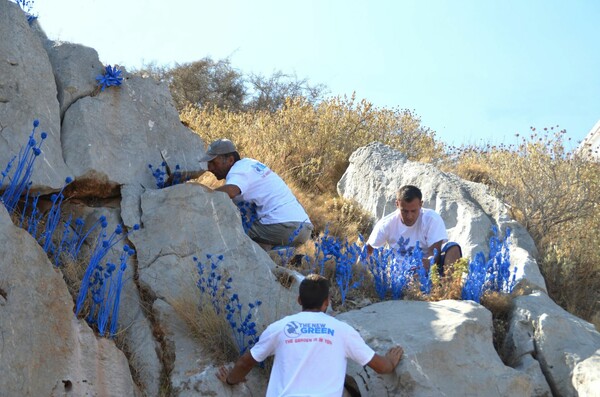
[
  {"x": 144, "y": 350},
  {"x": 566, "y": 347},
  {"x": 45, "y": 351},
  {"x": 28, "y": 92},
  {"x": 75, "y": 70},
  {"x": 107, "y": 139},
  {"x": 377, "y": 171},
  {"x": 200, "y": 222},
  {"x": 110, "y": 139},
  {"x": 448, "y": 351}
]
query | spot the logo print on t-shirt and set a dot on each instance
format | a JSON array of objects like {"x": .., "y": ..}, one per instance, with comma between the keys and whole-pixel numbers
[
  {"x": 259, "y": 167},
  {"x": 292, "y": 329}
]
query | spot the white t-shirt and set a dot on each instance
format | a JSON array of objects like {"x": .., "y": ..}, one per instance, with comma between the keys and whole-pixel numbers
[
  {"x": 428, "y": 229},
  {"x": 275, "y": 202},
  {"x": 311, "y": 350}
]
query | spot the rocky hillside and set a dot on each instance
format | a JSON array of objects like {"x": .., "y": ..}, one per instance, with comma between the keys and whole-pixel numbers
[{"x": 105, "y": 139}]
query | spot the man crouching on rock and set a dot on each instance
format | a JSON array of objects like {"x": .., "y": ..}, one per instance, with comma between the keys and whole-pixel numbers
[
  {"x": 311, "y": 349},
  {"x": 281, "y": 218}
]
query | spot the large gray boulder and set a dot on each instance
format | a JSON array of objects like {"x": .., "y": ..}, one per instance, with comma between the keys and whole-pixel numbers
[
  {"x": 75, "y": 70},
  {"x": 110, "y": 139},
  {"x": 186, "y": 221},
  {"x": 377, "y": 171},
  {"x": 45, "y": 350},
  {"x": 28, "y": 92},
  {"x": 586, "y": 376},
  {"x": 448, "y": 351},
  {"x": 566, "y": 347}
]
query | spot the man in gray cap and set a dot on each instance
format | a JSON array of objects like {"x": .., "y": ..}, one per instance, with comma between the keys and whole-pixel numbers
[{"x": 281, "y": 218}]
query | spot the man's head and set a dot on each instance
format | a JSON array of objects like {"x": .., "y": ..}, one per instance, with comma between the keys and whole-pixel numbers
[
  {"x": 220, "y": 157},
  {"x": 409, "y": 200},
  {"x": 314, "y": 293}
]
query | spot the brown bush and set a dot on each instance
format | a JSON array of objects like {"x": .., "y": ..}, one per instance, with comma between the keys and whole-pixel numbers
[
  {"x": 309, "y": 145},
  {"x": 554, "y": 193}
]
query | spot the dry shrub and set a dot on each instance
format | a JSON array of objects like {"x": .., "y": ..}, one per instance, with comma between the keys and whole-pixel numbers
[
  {"x": 450, "y": 285},
  {"x": 210, "y": 328},
  {"x": 555, "y": 194},
  {"x": 309, "y": 145},
  {"x": 447, "y": 287},
  {"x": 473, "y": 170},
  {"x": 574, "y": 283},
  {"x": 500, "y": 304},
  {"x": 342, "y": 217}
]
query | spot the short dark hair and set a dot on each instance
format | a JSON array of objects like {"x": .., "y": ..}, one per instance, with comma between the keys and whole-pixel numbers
[
  {"x": 314, "y": 290},
  {"x": 408, "y": 193}
]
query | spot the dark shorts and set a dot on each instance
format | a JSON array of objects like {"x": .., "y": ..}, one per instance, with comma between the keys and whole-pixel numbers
[
  {"x": 445, "y": 249},
  {"x": 286, "y": 234}
]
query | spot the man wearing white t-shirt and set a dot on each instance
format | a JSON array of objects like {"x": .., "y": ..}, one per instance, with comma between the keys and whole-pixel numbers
[
  {"x": 413, "y": 222},
  {"x": 311, "y": 349},
  {"x": 281, "y": 218}
]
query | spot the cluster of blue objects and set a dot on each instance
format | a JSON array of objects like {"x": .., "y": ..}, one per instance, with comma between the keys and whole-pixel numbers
[
  {"x": 394, "y": 269},
  {"x": 111, "y": 77},
  {"x": 27, "y": 6},
  {"x": 492, "y": 274},
  {"x": 344, "y": 255},
  {"x": 248, "y": 214},
  {"x": 216, "y": 287},
  {"x": 102, "y": 284},
  {"x": 162, "y": 175}
]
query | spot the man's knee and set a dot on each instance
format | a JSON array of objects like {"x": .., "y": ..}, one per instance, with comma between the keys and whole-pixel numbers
[
  {"x": 451, "y": 252},
  {"x": 304, "y": 234}
]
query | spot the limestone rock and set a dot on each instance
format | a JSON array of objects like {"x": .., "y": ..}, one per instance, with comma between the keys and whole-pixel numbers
[
  {"x": 376, "y": 172},
  {"x": 75, "y": 70},
  {"x": 110, "y": 139},
  {"x": 566, "y": 347},
  {"x": 448, "y": 351},
  {"x": 186, "y": 221},
  {"x": 135, "y": 328},
  {"x": 531, "y": 367},
  {"x": 28, "y": 92},
  {"x": 45, "y": 351},
  {"x": 586, "y": 376}
]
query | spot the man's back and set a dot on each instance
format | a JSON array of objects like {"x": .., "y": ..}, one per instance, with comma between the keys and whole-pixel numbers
[
  {"x": 310, "y": 351},
  {"x": 263, "y": 187}
]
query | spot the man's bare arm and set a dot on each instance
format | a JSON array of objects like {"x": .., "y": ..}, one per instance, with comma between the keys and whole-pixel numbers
[
  {"x": 231, "y": 190},
  {"x": 239, "y": 371},
  {"x": 386, "y": 364}
]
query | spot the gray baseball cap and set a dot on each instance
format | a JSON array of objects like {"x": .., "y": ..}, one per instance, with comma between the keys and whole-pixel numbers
[{"x": 220, "y": 146}]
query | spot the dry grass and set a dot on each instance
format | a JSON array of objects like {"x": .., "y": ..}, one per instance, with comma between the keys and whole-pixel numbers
[
  {"x": 73, "y": 270},
  {"x": 554, "y": 194},
  {"x": 500, "y": 305},
  {"x": 211, "y": 330},
  {"x": 342, "y": 217},
  {"x": 450, "y": 286},
  {"x": 308, "y": 145}
]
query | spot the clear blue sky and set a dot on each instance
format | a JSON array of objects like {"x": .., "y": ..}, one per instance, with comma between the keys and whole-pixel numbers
[{"x": 474, "y": 70}]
